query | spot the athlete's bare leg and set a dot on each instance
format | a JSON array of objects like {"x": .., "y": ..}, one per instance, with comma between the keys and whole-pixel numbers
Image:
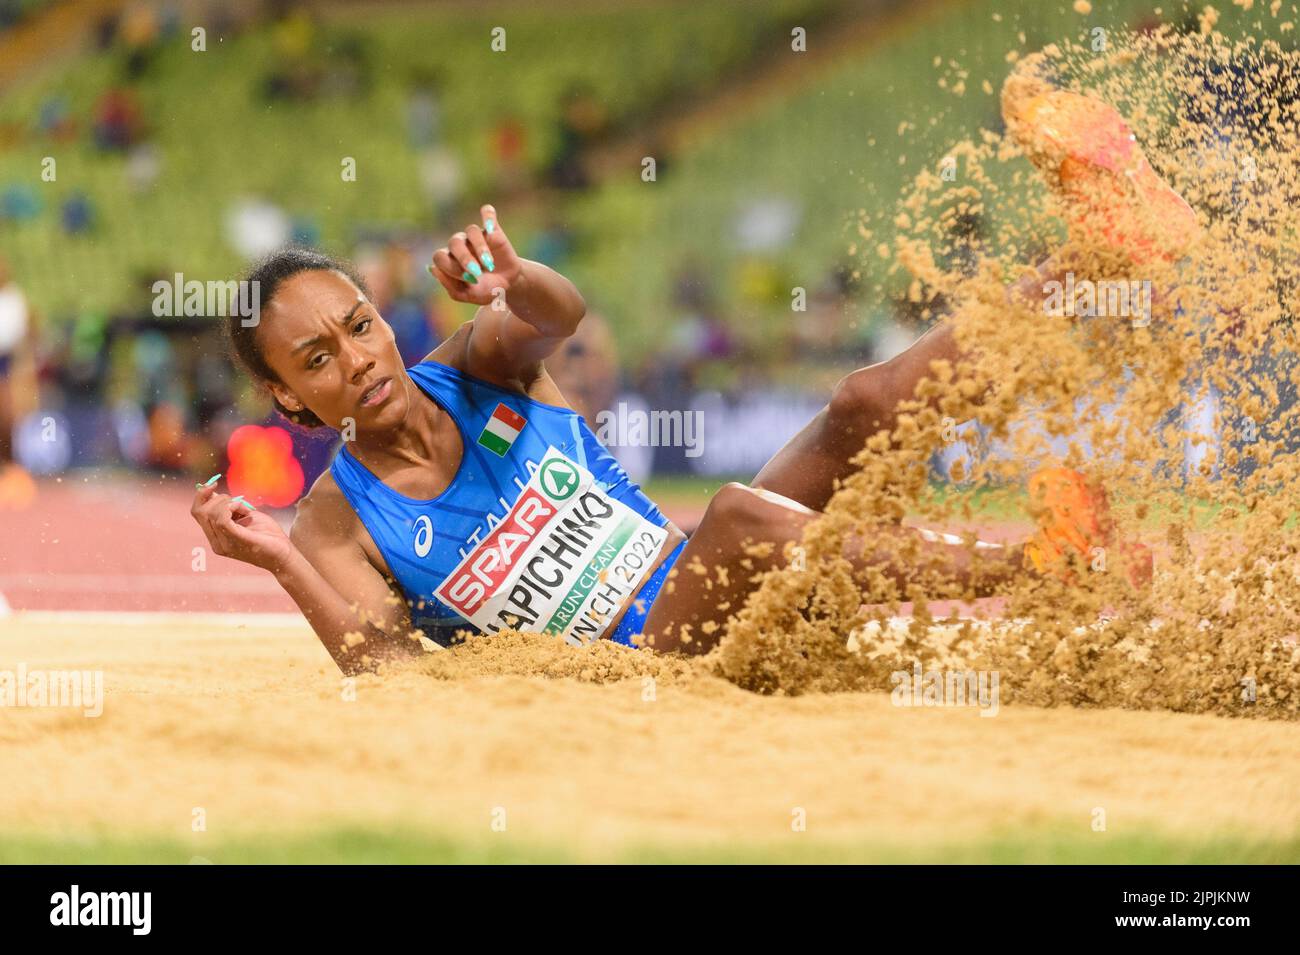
[
  {"x": 744, "y": 533},
  {"x": 864, "y": 402},
  {"x": 796, "y": 484}
]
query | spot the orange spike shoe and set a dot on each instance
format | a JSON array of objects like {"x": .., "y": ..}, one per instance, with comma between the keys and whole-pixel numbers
[
  {"x": 1087, "y": 151},
  {"x": 1074, "y": 515}
]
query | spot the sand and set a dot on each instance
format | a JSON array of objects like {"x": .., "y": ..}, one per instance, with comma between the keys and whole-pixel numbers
[
  {"x": 1111, "y": 394},
  {"x": 251, "y": 726}
]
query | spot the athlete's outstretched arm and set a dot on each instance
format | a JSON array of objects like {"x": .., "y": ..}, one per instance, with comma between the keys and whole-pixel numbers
[
  {"x": 325, "y": 573},
  {"x": 343, "y": 596},
  {"x": 526, "y": 310}
]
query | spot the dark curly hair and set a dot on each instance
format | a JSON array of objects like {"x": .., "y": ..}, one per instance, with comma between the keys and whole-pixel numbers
[{"x": 270, "y": 274}]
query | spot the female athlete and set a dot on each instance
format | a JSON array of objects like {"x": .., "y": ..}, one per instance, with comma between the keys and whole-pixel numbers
[{"x": 468, "y": 496}]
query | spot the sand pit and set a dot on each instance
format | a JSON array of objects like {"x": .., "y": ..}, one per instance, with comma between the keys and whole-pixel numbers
[{"x": 249, "y": 725}]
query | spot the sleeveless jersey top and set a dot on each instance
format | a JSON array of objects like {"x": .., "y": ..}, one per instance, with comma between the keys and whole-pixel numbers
[{"x": 540, "y": 527}]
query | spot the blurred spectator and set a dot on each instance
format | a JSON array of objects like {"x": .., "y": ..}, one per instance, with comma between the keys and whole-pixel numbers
[
  {"x": 585, "y": 368},
  {"x": 398, "y": 297},
  {"x": 16, "y": 486},
  {"x": 346, "y": 70},
  {"x": 583, "y": 121},
  {"x": 763, "y": 280},
  {"x": 424, "y": 110},
  {"x": 293, "y": 38},
  {"x": 508, "y": 149},
  {"x": 553, "y": 243},
  {"x": 118, "y": 123},
  {"x": 257, "y": 227},
  {"x": 13, "y": 333},
  {"x": 80, "y": 372},
  {"x": 19, "y": 203},
  {"x": 77, "y": 214},
  {"x": 11, "y": 11},
  {"x": 143, "y": 166},
  {"x": 54, "y": 119},
  {"x": 138, "y": 30},
  {"x": 106, "y": 31},
  {"x": 821, "y": 332},
  {"x": 698, "y": 333},
  {"x": 441, "y": 181},
  {"x": 698, "y": 346}
]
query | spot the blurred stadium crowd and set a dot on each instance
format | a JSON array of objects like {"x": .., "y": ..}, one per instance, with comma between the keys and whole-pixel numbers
[
  {"x": 162, "y": 164},
  {"x": 186, "y": 137}
]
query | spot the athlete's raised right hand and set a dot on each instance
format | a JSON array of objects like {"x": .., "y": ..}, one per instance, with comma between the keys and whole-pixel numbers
[
  {"x": 475, "y": 264},
  {"x": 235, "y": 530}
]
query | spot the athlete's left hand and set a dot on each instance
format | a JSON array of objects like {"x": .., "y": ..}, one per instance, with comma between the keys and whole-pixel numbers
[{"x": 478, "y": 265}]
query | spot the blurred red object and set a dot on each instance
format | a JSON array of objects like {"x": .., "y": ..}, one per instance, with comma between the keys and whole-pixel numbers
[{"x": 262, "y": 466}]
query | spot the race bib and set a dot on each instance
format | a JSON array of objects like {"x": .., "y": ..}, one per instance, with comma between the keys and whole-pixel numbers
[{"x": 562, "y": 561}]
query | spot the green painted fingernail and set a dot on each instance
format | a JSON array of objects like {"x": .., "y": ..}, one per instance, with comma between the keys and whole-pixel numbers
[
  {"x": 490, "y": 226},
  {"x": 211, "y": 481},
  {"x": 240, "y": 500},
  {"x": 489, "y": 261},
  {"x": 476, "y": 269},
  {"x": 465, "y": 276}
]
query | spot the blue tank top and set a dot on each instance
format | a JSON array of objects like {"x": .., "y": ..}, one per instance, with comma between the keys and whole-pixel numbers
[{"x": 507, "y": 437}]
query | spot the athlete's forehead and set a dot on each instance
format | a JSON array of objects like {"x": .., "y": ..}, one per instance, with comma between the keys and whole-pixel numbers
[
  {"x": 316, "y": 295},
  {"x": 309, "y": 306}
]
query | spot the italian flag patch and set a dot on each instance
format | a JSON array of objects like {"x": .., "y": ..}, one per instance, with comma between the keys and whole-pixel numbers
[{"x": 501, "y": 430}]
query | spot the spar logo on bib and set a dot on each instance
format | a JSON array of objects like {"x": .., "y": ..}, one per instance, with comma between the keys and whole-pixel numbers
[
  {"x": 563, "y": 559},
  {"x": 501, "y": 430}
]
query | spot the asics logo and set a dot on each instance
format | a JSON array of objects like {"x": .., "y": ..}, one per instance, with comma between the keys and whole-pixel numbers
[{"x": 423, "y": 535}]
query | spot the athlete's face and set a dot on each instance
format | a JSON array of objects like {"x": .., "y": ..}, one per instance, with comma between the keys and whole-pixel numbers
[{"x": 333, "y": 353}]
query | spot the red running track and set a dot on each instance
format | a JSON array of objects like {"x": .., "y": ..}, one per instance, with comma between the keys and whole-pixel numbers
[
  {"x": 93, "y": 542},
  {"x": 127, "y": 543}
]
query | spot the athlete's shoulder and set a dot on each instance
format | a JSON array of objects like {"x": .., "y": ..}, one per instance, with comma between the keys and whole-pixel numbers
[
  {"x": 454, "y": 350},
  {"x": 323, "y": 514},
  {"x": 459, "y": 353}
]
